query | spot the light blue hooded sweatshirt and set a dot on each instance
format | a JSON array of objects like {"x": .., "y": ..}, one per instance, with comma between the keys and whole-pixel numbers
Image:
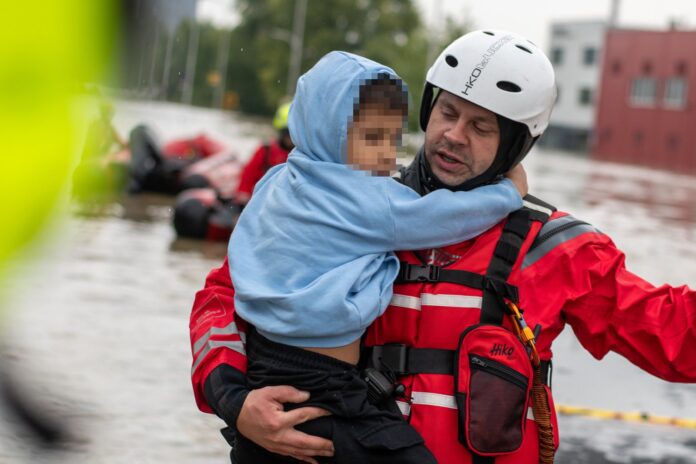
[{"x": 311, "y": 256}]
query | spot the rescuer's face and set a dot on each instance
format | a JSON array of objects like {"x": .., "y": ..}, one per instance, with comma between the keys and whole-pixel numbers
[{"x": 461, "y": 139}]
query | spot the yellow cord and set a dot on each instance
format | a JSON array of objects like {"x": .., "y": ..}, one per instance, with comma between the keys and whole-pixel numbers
[{"x": 626, "y": 416}]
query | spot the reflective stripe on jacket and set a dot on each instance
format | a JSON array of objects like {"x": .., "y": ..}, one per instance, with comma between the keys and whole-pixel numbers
[{"x": 217, "y": 335}]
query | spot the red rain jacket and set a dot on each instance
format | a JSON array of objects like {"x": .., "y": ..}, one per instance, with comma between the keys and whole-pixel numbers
[
  {"x": 574, "y": 275},
  {"x": 264, "y": 158}
]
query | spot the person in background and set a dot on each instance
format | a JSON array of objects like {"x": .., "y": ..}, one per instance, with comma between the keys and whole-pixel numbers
[
  {"x": 203, "y": 212},
  {"x": 266, "y": 156},
  {"x": 103, "y": 140},
  {"x": 102, "y": 169},
  {"x": 163, "y": 168}
]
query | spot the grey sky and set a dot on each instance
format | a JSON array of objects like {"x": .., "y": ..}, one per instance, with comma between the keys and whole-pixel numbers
[{"x": 530, "y": 18}]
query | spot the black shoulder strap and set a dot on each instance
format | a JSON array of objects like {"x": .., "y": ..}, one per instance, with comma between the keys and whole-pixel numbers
[{"x": 505, "y": 255}]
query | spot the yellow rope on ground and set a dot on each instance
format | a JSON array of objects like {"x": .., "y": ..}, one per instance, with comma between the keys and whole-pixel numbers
[{"x": 626, "y": 416}]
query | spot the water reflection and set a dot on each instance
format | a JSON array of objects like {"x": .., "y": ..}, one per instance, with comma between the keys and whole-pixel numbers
[
  {"x": 670, "y": 198},
  {"x": 103, "y": 317}
]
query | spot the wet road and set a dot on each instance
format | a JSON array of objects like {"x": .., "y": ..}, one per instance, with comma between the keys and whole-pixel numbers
[{"x": 100, "y": 317}]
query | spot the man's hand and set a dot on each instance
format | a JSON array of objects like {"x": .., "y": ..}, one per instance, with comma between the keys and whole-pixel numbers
[
  {"x": 518, "y": 176},
  {"x": 263, "y": 421}
]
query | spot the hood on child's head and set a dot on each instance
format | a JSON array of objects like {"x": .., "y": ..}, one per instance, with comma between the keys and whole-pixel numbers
[{"x": 324, "y": 102}]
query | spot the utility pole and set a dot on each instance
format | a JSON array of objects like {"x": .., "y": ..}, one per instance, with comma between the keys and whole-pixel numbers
[
  {"x": 140, "y": 20},
  {"x": 191, "y": 57},
  {"x": 434, "y": 34},
  {"x": 614, "y": 14},
  {"x": 296, "y": 44},
  {"x": 222, "y": 60},
  {"x": 155, "y": 48},
  {"x": 167, "y": 64}
]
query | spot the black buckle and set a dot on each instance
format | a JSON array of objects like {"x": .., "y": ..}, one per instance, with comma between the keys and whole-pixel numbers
[
  {"x": 427, "y": 273},
  {"x": 393, "y": 357},
  {"x": 494, "y": 285},
  {"x": 380, "y": 386}
]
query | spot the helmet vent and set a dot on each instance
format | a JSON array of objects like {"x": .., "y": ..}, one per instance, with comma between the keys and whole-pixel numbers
[
  {"x": 452, "y": 61},
  {"x": 509, "y": 86},
  {"x": 488, "y": 32},
  {"x": 523, "y": 48}
]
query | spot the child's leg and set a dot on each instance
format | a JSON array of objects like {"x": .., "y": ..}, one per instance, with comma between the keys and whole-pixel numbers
[{"x": 361, "y": 432}]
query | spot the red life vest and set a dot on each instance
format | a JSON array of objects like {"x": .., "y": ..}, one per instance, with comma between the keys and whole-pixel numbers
[{"x": 430, "y": 315}]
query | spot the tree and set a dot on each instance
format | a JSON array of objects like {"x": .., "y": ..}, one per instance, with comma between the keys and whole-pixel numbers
[{"x": 388, "y": 31}]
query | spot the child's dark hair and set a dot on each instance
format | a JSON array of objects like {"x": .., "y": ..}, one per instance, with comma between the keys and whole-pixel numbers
[{"x": 383, "y": 92}]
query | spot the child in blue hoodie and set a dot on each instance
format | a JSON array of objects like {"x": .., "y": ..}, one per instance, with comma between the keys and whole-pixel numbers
[{"x": 312, "y": 256}]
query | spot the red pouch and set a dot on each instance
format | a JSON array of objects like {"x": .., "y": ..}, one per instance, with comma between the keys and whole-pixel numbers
[{"x": 493, "y": 382}]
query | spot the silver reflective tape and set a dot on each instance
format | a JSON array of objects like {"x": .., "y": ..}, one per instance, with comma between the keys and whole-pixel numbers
[
  {"x": 433, "y": 399},
  {"x": 429, "y": 299},
  {"x": 453, "y": 301},
  {"x": 404, "y": 407},
  {"x": 405, "y": 301},
  {"x": 554, "y": 224},
  {"x": 556, "y": 239},
  {"x": 530, "y": 413},
  {"x": 229, "y": 329},
  {"x": 237, "y": 346},
  {"x": 536, "y": 207}
]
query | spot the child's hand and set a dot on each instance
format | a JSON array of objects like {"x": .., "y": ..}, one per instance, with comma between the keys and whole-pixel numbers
[{"x": 518, "y": 176}]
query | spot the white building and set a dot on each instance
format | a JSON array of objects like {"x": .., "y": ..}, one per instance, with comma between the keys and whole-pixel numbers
[{"x": 576, "y": 54}]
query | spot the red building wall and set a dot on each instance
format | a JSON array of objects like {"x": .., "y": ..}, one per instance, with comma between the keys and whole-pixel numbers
[{"x": 654, "y": 135}]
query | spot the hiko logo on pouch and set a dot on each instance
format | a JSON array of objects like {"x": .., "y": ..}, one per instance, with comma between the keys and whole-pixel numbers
[{"x": 501, "y": 350}]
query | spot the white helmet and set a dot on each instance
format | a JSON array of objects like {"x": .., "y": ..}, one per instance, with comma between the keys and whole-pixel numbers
[
  {"x": 504, "y": 73},
  {"x": 497, "y": 70}
]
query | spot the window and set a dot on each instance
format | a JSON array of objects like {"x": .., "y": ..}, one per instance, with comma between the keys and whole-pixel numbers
[
  {"x": 589, "y": 56},
  {"x": 681, "y": 68},
  {"x": 585, "y": 96},
  {"x": 673, "y": 142},
  {"x": 675, "y": 93},
  {"x": 616, "y": 67},
  {"x": 557, "y": 56},
  {"x": 638, "y": 137},
  {"x": 643, "y": 91},
  {"x": 560, "y": 31},
  {"x": 605, "y": 135}
]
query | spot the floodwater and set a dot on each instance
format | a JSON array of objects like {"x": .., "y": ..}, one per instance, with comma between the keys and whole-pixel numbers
[{"x": 98, "y": 332}]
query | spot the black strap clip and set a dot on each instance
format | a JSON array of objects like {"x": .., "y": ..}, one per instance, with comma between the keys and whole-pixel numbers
[
  {"x": 392, "y": 357},
  {"x": 501, "y": 289},
  {"x": 413, "y": 273},
  {"x": 381, "y": 386}
]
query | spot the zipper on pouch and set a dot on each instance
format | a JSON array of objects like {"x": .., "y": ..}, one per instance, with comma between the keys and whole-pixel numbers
[{"x": 499, "y": 370}]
